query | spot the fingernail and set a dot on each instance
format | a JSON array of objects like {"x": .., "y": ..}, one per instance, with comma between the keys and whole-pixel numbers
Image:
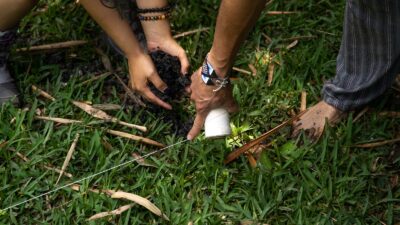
[{"x": 189, "y": 137}]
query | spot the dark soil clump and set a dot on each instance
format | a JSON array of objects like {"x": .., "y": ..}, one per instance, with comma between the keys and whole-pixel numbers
[{"x": 168, "y": 68}]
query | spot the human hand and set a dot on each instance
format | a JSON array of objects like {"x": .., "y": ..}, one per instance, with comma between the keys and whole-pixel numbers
[
  {"x": 206, "y": 99},
  {"x": 142, "y": 71},
  {"x": 158, "y": 36}
]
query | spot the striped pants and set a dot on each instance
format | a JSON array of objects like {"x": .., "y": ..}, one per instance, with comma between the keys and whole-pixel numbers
[{"x": 369, "y": 56}]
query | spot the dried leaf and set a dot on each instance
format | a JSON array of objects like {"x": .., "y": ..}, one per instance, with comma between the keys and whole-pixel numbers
[
  {"x": 107, "y": 107},
  {"x": 141, "y": 161},
  {"x": 118, "y": 211},
  {"x": 58, "y": 120},
  {"x": 97, "y": 113},
  {"x": 253, "y": 69},
  {"x": 77, "y": 187},
  {"x": 141, "y": 201},
  {"x": 233, "y": 155},
  {"x": 69, "y": 156},
  {"x": 47, "y": 167},
  {"x": 135, "y": 138},
  {"x": 105, "y": 60},
  {"x": 43, "y": 93}
]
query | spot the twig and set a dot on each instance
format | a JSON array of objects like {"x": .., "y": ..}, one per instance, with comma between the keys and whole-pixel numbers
[
  {"x": 390, "y": 114},
  {"x": 303, "y": 104},
  {"x": 115, "y": 212},
  {"x": 241, "y": 70},
  {"x": 58, "y": 120},
  {"x": 135, "y": 138},
  {"x": 281, "y": 12},
  {"x": 360, "y": 114},
  {"x": 199, "y": 30},
  {"x": 129, "y": 92},
  {"x": 377, "y": 144},
  {"x": 299, "y": 37},
  {"x": 235, "y": 154},
  {"x": 293, "y": 44},
  {"x": 66, "y": 44},
  {"x": 69, "y": 156},
  {"x": 43, "y": 93}
]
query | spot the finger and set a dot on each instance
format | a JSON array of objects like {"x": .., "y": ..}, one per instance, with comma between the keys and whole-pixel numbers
[
  {"x": 154, "y": 99},
  {"x": 197, "y": 126},
  {"x": 158, "y": 83},
  {"x": 184, "y": 62}
]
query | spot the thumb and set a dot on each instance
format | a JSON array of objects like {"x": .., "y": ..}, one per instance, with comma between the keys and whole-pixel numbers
[{"x": 197, "y": 126}]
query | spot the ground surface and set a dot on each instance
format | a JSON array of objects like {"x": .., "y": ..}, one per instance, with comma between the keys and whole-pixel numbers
[{"x": 330, "y": 182}]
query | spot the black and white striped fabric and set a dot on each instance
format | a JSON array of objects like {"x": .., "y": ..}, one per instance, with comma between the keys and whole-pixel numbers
[{"x": 369, "y": 56}]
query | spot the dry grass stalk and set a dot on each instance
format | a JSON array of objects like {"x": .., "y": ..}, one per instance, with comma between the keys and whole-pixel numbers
[
  {"x": 57, "y": 171},
  {"x": 57, "y": 120},
  {"x": 390, "y": 114},
  {"x": 141, "y": 201},
  {"x": 377, "y": 144},
  {"x": 47, "y": 167},
  {"x": 268, "y": 39},
  {"x": 115, "y": 212},
  {"x": 97, "y": 113},
  {"x": 66, "y": 44},
  {"x": 299, "y": 37},
  {"x": 280, "y": 12},
  {"x": 303, "y": 102},
  {"x": 271, "y": 70},
  {"x": 141, "y": 161},
  {"x": 42, "y": 93},
  {"x": 107, "y": 107},
  {"x": 241, "y": 70},
  {"x": 68, "y": 158},
  {"x": 77, "y": 187},
  {"x": 2, "y": 144},
  {"x": 235, "y": 154},
  {"x": 101, "y": 76},
  {"x": 135, "y": 138},
  {"x": 199, "y": 30},
  {"x": 292, "y": 45},
  {"x": 130, "y": 93},
  {"x": 360, "y": 114},
  {"x": 253, "y": 69},
  {"x": 252, "y": 160}
]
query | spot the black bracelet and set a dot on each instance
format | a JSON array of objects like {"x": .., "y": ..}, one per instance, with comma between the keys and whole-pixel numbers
[
  {"x": 154, "y": 18},
  {"x": 154, "y": 10}
]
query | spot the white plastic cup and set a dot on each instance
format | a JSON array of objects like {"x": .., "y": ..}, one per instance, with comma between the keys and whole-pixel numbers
[{"x": 217, "y": 124}]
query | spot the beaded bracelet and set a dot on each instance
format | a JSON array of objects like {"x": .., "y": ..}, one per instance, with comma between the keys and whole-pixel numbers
[
  {"x": 154, "y": 10},
  {"x": 154, "y": 18}
]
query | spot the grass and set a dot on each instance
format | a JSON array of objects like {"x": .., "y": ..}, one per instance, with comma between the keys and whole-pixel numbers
[{"x": 329, "y": 182}]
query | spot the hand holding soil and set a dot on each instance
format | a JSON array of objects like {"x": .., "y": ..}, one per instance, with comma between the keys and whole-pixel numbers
[
  {"x": 142, "y": 71},
  {"x": 206, "y": 99}
]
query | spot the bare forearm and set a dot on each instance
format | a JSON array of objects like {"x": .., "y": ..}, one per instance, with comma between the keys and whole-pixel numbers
[
  {"x": 116, "y": 27},
  {"x": 235, "y": 19}
]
